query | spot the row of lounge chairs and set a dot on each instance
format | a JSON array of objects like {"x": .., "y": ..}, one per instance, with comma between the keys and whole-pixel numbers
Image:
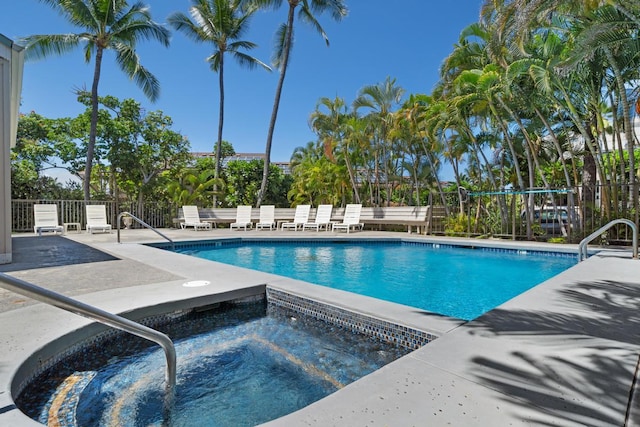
[
  {"x": 350, "y": 221},
  {"x": 45, "y": 218}
]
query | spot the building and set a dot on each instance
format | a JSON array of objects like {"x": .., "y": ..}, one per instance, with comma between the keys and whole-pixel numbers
[
  {"x": 244, "y": 157},
  {"x": 11, "y": 65}
]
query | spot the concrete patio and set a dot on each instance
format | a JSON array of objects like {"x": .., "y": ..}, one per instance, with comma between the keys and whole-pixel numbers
[{"x": 564, "y": 353}]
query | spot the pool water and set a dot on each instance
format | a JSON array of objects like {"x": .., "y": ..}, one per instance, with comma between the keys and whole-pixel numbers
[
  {"x": 453, "y": 281},
  {"x": 241, "y": 366}
]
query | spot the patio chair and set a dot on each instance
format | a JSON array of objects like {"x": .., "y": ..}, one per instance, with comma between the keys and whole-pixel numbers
[
  {"x": 45, "y": 218},
  {"x": 97, "y": 219},
  {"x": 351, "y": 219},
  {"x": 323, "y": 219},
  {"x": 300, "y": 217},
  {"x": 267, "y": 217},
  {"x": 243, "y": 218},
  {"x": 192, "y": 219}
]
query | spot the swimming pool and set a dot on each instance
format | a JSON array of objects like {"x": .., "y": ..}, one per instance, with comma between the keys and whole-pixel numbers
[
  {"x": 239, "y": 364},
  {"x": 454, "y": 281}
]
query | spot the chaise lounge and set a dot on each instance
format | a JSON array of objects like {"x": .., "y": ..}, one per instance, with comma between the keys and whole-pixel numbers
[
  {"x": 45, "y": 218},
  {"x": 192, "y": 219},
  {"x": 97, "y": 219},
  {"x": 351, "y": 219},
  {"x": 322, "y": 220},
  {"x": 300, "y": 218},
  {"x": 243, "y": 218}
]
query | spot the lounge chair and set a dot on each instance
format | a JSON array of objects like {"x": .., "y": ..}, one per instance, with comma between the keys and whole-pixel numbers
[
  {"x": 267, "y": 217},
  {"x": 192, "y": 219},
  {"x": 97, "y": 219},
  {"x": 351, "y": 219},
  {"x": 323, "y": 219},
  {"x": 243, "y": 218},
  {"x": 300, "y": 218},
  {"x": 45, "y": 218}
]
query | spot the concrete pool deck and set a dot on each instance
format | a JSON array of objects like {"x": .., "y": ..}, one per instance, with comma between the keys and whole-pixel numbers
[{"x": 563, "y": 353}]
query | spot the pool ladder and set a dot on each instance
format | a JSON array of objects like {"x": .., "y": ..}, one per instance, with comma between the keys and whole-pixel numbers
[
  {"x": 144, "y": 224},
  {"x": 68, "y": 304},
  {"x": 582, "y": 247}
]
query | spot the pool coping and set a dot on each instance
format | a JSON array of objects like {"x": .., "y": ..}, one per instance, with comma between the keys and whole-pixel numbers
[{"x": 451, "y": 380}]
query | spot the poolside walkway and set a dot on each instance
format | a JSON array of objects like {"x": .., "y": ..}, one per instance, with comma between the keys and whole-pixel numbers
[{"x": 564, "y": 353}]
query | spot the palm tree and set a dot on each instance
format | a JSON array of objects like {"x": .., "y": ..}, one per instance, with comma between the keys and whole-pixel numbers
[
  {"x": 284, "y": 43},
  {"x": 221, "y": 23},
  {"x": 381, "y": 99},
  {"x": 107, "y": 24},
  {"x": 328, "y": 125}
]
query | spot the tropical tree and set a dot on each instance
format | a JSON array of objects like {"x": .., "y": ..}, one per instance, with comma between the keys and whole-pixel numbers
[
  {"x": 381, "y": 99},
  {"x": 221, "y": 23},
  {"x": 328, "y": 125},
  {"x": 243, "y": 182},
  {"x": 192, "y": 187},
  {"x": 105, "y": 24},
  {"x": 284, "y": 44},
  {"x": 316, "y": 178}
]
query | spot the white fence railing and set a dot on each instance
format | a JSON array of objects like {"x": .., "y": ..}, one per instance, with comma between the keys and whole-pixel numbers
[{"x": 155, "y": 214}]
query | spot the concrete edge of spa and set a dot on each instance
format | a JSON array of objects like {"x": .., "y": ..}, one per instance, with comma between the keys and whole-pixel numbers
[{"x": 563, "y": 353}]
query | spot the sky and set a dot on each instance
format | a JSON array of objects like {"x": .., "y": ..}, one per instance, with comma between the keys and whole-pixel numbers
[{"x": 406, "y": 40}]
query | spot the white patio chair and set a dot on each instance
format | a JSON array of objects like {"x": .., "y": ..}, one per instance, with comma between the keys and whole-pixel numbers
[
  {"x": 267, "y": 217},
  {"x": 351, "y": 219},
  {"x": 243, "y": 218},
  {"x": 322, "y": 220},
  {"x": 192, "y": 219},
  {"x": 97, "y": 219},
  {"x": 300, "y": 217},
  {"x": 45, "y": 218}
]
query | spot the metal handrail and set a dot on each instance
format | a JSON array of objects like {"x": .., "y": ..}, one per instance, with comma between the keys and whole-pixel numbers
[
  {"x": 52, "y": 298},
  {"x": 582, "y": 247},
  {"x": 144, "y": 224}
]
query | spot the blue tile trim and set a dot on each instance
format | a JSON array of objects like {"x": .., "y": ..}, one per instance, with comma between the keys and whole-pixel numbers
[
  {"x": 383, "y": 330},
  {"x": 235, "y": 242},
  {"x": 389, "y": 332}
]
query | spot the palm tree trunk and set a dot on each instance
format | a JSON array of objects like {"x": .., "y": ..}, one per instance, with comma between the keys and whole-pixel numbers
[
  {"x": 628, "y": 130},
  {"x": 220, "y": 125},
  {"x": 276, "y": 104},
  {"x": 91, "y": 146},
  {"x": 352, "y": 178}
]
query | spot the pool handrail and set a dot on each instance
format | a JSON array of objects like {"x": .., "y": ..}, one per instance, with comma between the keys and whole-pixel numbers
[
  {"x": 76, "y": 307},
  {"x": 144, "y": 224},
  {"x": 582, "y": 247}
]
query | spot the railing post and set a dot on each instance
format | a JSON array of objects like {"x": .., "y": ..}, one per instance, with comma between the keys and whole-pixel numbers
[
  {"x": 583, "y": 249},
  {"x": 68, "y": 304},
  {"x": 144, "y": 224}
]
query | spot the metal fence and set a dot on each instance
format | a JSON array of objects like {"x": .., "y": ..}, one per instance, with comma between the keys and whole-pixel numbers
[
  {"x": 157, "y": 215},
  {"x": 559, "y": 214},
  {"x": 538, "y": 214}
]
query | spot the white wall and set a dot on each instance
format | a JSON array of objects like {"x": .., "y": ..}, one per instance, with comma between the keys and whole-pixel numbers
[{"x": 11, "y": 63}]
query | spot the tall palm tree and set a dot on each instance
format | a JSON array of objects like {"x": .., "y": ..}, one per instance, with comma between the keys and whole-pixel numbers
[
  {"x": 106, "y": 24},
  {"x": 221, "y": 23},
  {"x": 284, "y": 43},
  {"x": 328, "y": 125},
  {"x": 380, "y": 99}
]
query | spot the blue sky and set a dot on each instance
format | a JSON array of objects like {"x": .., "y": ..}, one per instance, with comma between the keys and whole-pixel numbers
[{"x": 405, "y": 40}]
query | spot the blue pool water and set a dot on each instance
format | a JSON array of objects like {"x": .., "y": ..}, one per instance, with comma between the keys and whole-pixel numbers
[
  {"x": 240, "y": 366},
  {"x": 452, "y": 281}
]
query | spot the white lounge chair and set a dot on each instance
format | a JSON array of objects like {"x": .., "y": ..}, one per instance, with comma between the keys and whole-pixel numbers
[
  {"x": 323, "y": 219},
  {"x": 97, "y": 219},
  {"x": 45, "y": 218},
  {"x": 267, "y": 217},
  {"x": 192, "y": 219},
  {"x": 300, "y": 217},
  {"x": 243, "y": 218},
  {"x": 351, "y": 219}
]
